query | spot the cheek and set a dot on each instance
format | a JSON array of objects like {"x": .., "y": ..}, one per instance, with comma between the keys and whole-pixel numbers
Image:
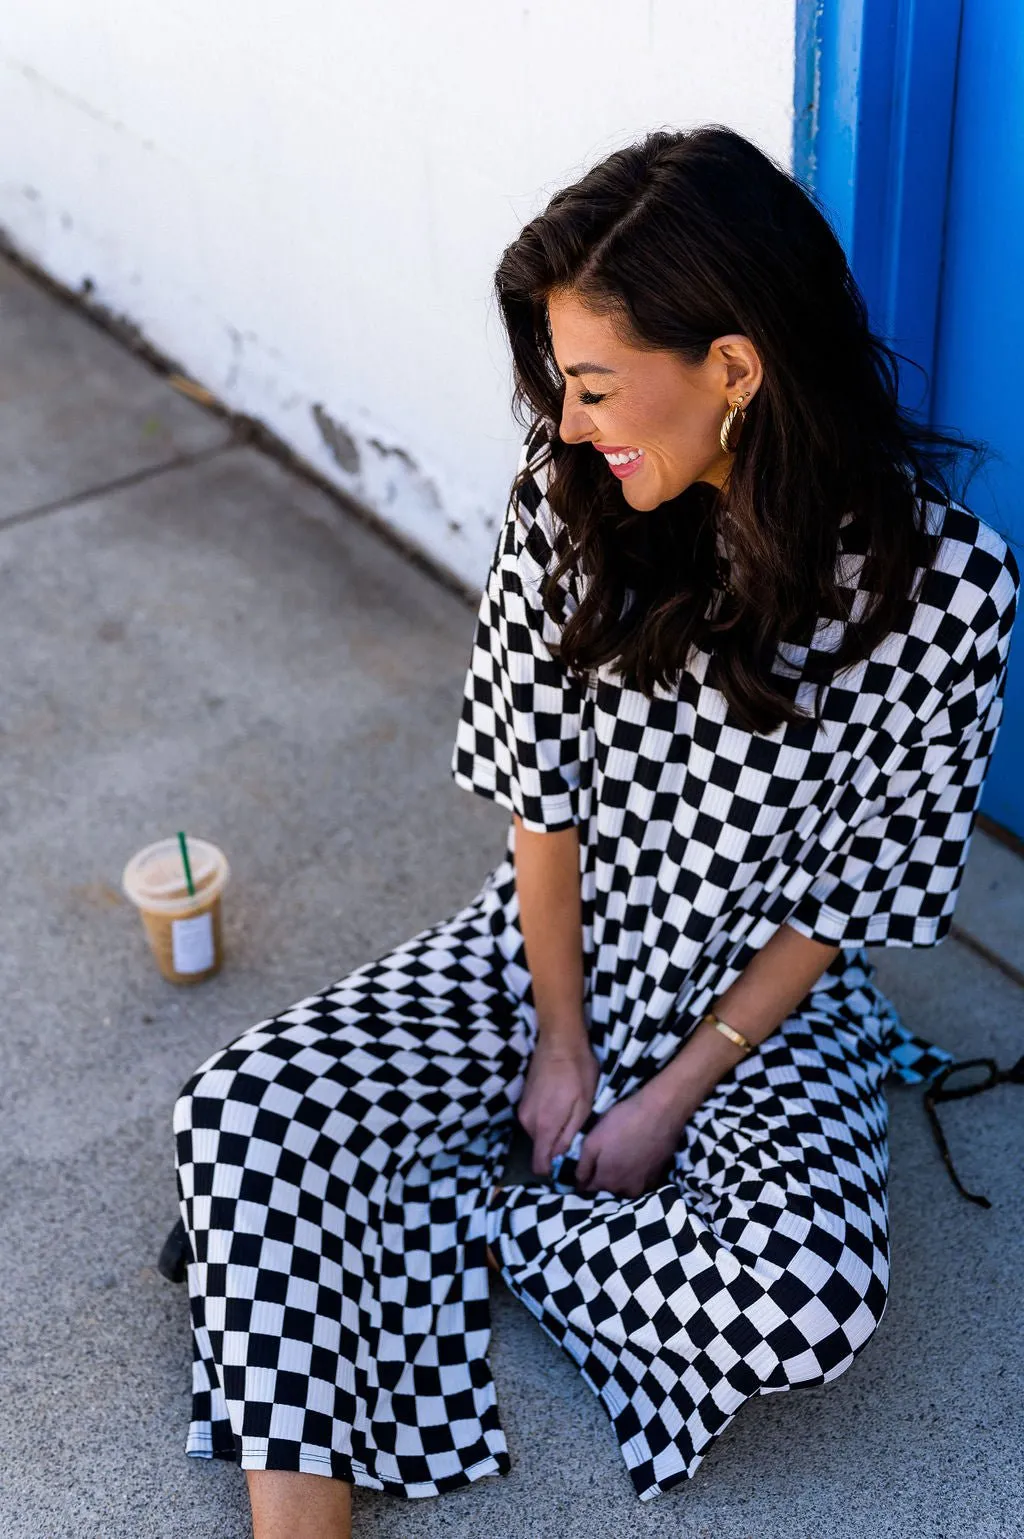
[
  {"x": 670, "y": 424},
  {"x": 688, "y": 432}
]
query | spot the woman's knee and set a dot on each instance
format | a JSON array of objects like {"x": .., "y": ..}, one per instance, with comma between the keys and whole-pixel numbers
[
  {"x": 831, "y": 1309},
  {"x": 214, "y": 1094}
]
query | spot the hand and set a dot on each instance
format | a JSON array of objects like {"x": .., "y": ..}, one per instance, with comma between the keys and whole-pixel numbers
[
  {"x": 558, "y": 1094},
  {"x": 631, "y": 1147}
]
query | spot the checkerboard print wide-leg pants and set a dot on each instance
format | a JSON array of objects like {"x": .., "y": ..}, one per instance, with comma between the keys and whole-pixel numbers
[{"x": 334, "y": 1167}]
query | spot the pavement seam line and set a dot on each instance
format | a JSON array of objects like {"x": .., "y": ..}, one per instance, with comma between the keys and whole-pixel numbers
[
  {"x": 987, "y": 954},
  {"x": 134, "y": 478}
]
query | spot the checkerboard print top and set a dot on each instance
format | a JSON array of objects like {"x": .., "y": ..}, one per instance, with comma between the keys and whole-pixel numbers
[
  {"x": 698, "y": 835},
  {"x": 335, "y": 1162}
]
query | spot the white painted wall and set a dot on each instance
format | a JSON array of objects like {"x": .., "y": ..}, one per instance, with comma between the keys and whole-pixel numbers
[{"x": 304, "y": 204}]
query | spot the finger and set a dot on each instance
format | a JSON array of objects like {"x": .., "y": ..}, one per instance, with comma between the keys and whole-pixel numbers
[
  {"x": 524, "y": 1116},
  {"x": 587, "y": 1161},
  {"x": 603, "y": 1176},
  {"x": 541, "y": 1163},
  {"x": 543, "y": 1140},
  {"x": 556, "y": 1141},
  {"x": 573, "y": 1123}
]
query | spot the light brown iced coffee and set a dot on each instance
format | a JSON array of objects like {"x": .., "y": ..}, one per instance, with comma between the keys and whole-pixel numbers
[{"x": 183, "y": 928}]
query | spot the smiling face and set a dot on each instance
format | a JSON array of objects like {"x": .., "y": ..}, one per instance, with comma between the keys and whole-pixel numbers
[{"x": 651, "y": 405}]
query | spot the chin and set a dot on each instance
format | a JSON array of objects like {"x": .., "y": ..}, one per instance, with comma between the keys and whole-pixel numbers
[
  {"x": 646, "y": 498},
  {"x": 643, "y": 502}
]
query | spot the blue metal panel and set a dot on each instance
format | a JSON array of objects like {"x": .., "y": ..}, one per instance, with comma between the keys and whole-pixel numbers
[
  {"x": 907, "y": 127},
  {"x": 981, "y": 333},
  {"x": 873, "y": 116},
  {"x": 829, "y": 71},
  {"x": 908, "y": 274}
]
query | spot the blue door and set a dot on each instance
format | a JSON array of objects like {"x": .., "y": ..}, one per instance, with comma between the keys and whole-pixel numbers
[
  {"x": 980, "y": 331},
  {"x": 909, "y": 127}
]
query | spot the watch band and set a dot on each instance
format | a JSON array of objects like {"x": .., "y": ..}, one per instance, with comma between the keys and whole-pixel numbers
[{"x": 727, "y": 1031}]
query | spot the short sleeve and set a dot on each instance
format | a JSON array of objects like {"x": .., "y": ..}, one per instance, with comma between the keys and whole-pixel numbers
[
  {"x": 518, "y": 737},
  {"x": 894, "y": 881}
]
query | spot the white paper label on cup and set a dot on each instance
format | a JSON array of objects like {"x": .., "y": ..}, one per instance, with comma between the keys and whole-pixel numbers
[{"x": 192, "y": 943}]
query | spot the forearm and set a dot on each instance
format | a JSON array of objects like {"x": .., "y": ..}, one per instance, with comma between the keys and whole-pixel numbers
[
  {"x": 548, "y": 888},
  {"x": 769, "y": 988}
]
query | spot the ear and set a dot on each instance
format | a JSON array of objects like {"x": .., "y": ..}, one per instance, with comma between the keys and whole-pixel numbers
[{"x": 741, "y": 366}]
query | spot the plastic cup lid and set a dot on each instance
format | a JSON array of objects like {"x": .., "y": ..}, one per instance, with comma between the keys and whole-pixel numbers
[{"x": 154, "y": 878}]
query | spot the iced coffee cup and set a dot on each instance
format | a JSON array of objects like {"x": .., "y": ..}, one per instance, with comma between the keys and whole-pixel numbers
[{"x": 183, "y": 927}]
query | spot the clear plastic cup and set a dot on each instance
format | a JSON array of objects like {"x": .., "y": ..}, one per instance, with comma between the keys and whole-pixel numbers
[{"x": 184, "y": 931}]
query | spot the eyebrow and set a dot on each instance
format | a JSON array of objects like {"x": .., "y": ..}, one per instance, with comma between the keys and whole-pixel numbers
[{"x": 587, "y": 368}]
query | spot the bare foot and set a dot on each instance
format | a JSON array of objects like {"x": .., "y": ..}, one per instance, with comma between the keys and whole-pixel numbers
[{"x": 289, "y": 1505}]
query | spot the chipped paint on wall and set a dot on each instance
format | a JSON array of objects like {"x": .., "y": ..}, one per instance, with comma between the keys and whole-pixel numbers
[
  {"x": 332, "y": 283},
  {"x": 339, "y": 440}
]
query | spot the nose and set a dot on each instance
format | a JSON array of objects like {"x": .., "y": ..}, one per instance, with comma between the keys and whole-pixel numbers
[{"x": 575, "y": 426}]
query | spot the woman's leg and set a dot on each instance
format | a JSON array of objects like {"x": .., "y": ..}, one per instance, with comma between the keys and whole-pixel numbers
[
  {"x": 289, "y": 1505},
  {"x": 762, "y": 1264},
  {"x": 333, "y": 1163},
  {"x": 286, "y": 1505}
]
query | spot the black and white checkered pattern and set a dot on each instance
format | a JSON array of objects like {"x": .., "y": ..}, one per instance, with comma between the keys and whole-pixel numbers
[
  {"x": 761, "y": 1264},
  {"x": 334, "y": 1162}
]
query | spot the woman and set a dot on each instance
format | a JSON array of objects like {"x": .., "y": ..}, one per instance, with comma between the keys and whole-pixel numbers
[{"x": 737, "y": 674}]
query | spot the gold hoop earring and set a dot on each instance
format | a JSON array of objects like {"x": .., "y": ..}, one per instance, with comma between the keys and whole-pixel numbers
[{"x": 727, "y": 438}]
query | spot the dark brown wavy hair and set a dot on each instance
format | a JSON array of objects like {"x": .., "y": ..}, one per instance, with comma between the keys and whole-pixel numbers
[{"x": 681, "y": 238}]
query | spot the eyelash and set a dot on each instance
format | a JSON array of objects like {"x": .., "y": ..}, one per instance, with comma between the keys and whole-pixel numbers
[{"x": 588, "y": 398}]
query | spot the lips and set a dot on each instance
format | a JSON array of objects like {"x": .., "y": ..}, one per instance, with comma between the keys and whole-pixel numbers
[{"x": 625, "y": 467}]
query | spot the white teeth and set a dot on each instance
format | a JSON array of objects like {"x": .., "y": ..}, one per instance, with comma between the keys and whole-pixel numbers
[{"x": 623, "y": 459}]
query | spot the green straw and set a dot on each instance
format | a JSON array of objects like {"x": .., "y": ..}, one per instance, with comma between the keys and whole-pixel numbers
[{"x": 188, "y": 868}]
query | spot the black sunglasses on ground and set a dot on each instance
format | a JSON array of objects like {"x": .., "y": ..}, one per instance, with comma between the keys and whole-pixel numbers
[{"x": 976, "y": 1075}]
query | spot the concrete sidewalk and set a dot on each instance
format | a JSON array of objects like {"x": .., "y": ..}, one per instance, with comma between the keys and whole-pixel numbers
[{"x": 195, "y": 638}]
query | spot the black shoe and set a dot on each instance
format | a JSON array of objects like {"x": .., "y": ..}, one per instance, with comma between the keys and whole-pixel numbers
[{"x": 173, "y": 1259}]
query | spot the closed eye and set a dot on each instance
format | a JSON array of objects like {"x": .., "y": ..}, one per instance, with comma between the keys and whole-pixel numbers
[{"x": 588, "y": 398}]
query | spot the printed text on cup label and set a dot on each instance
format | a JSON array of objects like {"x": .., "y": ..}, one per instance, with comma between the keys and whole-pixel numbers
[{"x": 192, "y": 943}]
